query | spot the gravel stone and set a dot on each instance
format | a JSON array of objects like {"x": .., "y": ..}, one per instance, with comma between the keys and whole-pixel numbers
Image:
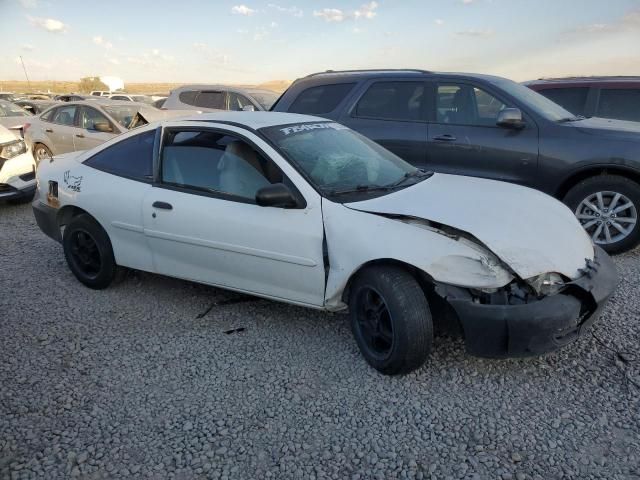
[{"x": 141, "y": 381}]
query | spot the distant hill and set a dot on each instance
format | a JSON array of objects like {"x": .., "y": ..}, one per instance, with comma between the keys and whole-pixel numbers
[{"x": 277, "y": 86}]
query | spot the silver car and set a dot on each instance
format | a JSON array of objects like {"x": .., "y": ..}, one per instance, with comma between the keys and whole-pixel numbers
[
  {"x": 211, "y": 98},
  {"x": 13, "y": 116},
  {"x": 73, "y": 126}
]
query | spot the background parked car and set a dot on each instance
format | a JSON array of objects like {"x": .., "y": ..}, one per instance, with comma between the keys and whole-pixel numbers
[
  {"x": 74, "y": 97},
  {"x": 82, "y": 125},
  {"x": 9, "y": 97},
  {"x": 34, "y": 107},
  {"x": 210, "y": 98},
  {"x": 127, "y": 97},
  {"x": 13, "y": 116},
  {"x": 100, "y": 93},
  {"x": 490, "y": 127},
  {"x": 606, "y": 97}
]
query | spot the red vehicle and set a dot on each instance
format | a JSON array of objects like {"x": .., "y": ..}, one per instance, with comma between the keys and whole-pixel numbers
[{"x": 606, "y": 97}]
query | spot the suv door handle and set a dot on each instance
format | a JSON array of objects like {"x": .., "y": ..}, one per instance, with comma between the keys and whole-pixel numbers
[
  {"x": 445, "y": 138},
  {"x": 79, "y": 135},
  {"x": 48, "y": 130},
  {"x": 162, "y": 205}
]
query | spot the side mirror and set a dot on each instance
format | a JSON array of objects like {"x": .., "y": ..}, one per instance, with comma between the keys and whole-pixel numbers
[
  {"x": 102, "y": 127},
  {"x": 276, "y": 195},
  {"x": 248, "y": 108},
  {"x": 510, "y": 118}
]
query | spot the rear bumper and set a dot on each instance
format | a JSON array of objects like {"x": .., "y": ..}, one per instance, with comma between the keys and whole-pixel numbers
[
  {"x": 540, "y": 326},
  {"x": 47, "y": 219}
]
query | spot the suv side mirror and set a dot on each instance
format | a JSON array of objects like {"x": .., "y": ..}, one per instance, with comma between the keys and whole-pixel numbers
[
  {"x": 102, "y": 127},
  {"x": 248, "y": 108},
  {"x": 276, "y": 195},
  {"x": 510, "y": 118}
]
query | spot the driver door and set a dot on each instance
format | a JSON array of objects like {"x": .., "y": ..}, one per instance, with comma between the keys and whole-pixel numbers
[
  {"x": 87, "y": 136},
  {"x": 202, "y": 222}
]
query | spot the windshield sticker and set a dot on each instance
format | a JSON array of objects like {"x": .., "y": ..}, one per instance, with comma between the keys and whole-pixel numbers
[
  {"x": 74, "y": 183},
  {"x": 305, "y": 127}
]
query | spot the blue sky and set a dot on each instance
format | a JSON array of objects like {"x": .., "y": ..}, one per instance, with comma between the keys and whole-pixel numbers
[{"x": 251, "y": 41}]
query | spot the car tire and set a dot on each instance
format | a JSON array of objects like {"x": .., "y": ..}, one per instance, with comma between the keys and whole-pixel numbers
[
  {"x": 88, "y": 251},
  {"x": 390, "y": 319},
  {"x": 41, "y": 152},
  {"x": 602, "y": 192}
]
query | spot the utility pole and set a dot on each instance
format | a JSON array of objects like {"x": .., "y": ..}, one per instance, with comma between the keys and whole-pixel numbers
[{"x": 25, "y": 72}]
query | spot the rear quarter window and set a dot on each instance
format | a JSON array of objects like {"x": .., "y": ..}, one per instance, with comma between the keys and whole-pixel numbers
[
  {"x": 619, "y": 103},
  {"x": 131, "y": 158},
  {"x": 321, "y": 99}
]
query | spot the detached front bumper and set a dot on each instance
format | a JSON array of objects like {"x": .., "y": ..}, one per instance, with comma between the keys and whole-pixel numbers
[{"x": 537, "y": 327}]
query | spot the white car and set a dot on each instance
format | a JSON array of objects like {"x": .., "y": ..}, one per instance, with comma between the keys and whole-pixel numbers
[
  {"x": 306, "y": 211},
  {"x": 17, "y": 168}
]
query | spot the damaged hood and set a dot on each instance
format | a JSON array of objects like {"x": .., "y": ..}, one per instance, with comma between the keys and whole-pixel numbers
[
  {"x": 530, "y": 231},
  {"x": 147, "y": 114}
]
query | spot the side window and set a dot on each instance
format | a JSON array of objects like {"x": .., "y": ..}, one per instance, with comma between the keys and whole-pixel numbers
[
  {"x": 466, "y": 105},
  {"x": 237, "y": 102},
  {"x": 65, "y": 115},
  {"x": 131, "y": 158},
  {"x": 622, "y": 104},
  {"x": 120, "y": 97},
  {"x": 46, "y": 116},
  {"x": 321, "y": 99},
  {"x": 573, "y": 99},
  {"x": 214, "y": 162},
  {"x": 90, "y": 116},
  {"x": 188, "y": 97},
  {"x": 211, "y": 100},
  {"x": 393, "y": 101}
]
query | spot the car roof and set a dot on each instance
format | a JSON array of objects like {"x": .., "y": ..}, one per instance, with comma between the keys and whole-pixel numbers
[
  {"x": 215, "y": 87},
  {"x": 254, "y": 120},
  {"x": 576, "y": 81},
  {"x": 356, "y": 75}
]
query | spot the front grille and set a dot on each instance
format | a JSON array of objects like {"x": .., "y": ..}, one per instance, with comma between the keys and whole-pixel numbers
[{"x": 27, "y": 177}]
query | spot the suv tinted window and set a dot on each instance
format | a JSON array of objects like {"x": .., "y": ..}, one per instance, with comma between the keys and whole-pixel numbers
[
  {"x": 573, "y": 99},
  {"x": 393, "y": 101},
  {"x": 622, "y": 104},
  {"x": 131, "y": 158},
  {"x": 204, "y": 99},
  {"x": 321, "y": 99},
  {"x": 213, "y": 162},
  {"x": 466, "y": 105}
]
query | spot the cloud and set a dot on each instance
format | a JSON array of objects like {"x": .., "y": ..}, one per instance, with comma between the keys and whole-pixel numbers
[
  {"x": 27, "y": 47},
  {"x": 294, "y": 11},
  {"x": 476, "y": 33},
  {"x": 366, "y": 11},
  {"x": 48, "y": 24},
  {"x": 630, "y": 21},
  {"x": 330, "y": 14},
  {"x": 242, "y": 10},
  {"x": 467, "y": 2},
  {"x": 29, "y": 3},
  {"x": 153, "y": 59},
  {"x": 438, "y": 21},
  {"x": 98, "y": 40}
]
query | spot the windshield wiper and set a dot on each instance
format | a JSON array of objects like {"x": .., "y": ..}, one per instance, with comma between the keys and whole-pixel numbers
[
  {"x": 577, "y": 118},
  {"x": 385, "y": 188}
]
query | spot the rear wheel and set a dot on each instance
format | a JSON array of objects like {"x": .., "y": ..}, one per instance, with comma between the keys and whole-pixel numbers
[
  {"x": 88, "y": 251},
  {"x": 390, "y": 319},
  {"x": 607, "y": 206}
]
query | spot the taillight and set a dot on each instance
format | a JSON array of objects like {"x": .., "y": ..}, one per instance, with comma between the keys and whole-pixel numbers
[{"x": 25, "y": 127}]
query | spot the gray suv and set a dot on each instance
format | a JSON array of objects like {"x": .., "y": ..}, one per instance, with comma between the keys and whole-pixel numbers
[
  {"x": 486, "y": 126},
  {"x": 211, "y": 98}
]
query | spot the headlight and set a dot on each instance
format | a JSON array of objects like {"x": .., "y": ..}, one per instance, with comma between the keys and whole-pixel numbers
[
  {"x": 547, "y": 283},
  {"x": 13, "y": 149}
]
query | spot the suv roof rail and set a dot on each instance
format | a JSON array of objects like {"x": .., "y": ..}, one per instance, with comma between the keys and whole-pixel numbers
[
  {"x": 590, "y": 77},
  {"x": 372, "y": 70}
]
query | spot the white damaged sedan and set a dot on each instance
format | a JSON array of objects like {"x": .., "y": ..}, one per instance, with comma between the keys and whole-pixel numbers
[{"x": 306, "y": 211}]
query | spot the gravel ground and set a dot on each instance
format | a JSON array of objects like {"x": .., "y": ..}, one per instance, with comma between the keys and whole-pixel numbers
[{"x": 161, "y": 378}]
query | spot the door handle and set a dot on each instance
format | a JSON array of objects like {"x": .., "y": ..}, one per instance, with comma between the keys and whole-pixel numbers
[
  {"x": 79, "y": 135},
  {"x": 48, "y": 130},
  {"x": 445, "y": 138},
  {"x": 162, "y": 205}
]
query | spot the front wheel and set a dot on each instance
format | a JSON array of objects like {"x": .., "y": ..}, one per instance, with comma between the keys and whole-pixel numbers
[
  {"x": 41, "y": 152},
  {"x": 88, "y": 251},
  {"x": 607, "y": 207},
  {"x": 390, "y": 319}
]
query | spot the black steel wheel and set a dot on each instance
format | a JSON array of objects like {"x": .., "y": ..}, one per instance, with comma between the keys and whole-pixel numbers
[
  {"x": 88, "y": 251},
  {"x": 390, "y": 319}
]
